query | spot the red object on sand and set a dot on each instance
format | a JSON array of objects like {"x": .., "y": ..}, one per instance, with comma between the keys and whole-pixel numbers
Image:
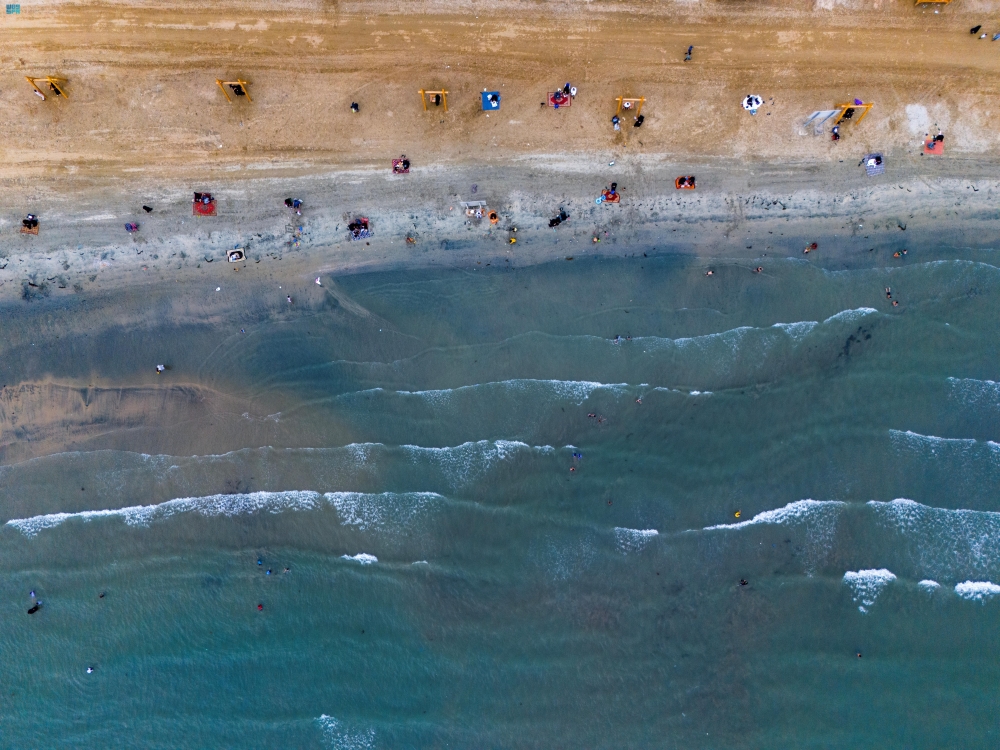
[
  {"x": 199, "y": 207},
  {"x": 566, "y": 101},
  {"x": 688, "y": 183},
  {"x": 933, "y": 148},
  {"x": 610, "y": 197},
  {"x": 397, "y": 167}
]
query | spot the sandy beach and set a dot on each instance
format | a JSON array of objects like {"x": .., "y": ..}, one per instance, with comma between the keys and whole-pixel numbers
[
  {"x": 145, "y": 124},
  {"x": 708, "y": 468}
]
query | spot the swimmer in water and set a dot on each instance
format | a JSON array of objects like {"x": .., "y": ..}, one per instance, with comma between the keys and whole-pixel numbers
[
  {"x": 895, "y": 303},
  {"x": 591, "y": 416},
  {"x": 35, "y": 608},
  {"x": 638, "y": 400},
  {"x": 709, "y": 273},
  {"x": 744, "y": 582},
  {"x": 758, "y": 269},
  {"x": 90, "y": 670}
]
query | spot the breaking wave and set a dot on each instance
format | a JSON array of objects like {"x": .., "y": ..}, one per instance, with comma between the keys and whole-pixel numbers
[
  {"x": 633, "y": 540},
  {"x": 866, "y": 585},
  {"x": 977, "y": 591},
  {"x": 354, "y": 508}
]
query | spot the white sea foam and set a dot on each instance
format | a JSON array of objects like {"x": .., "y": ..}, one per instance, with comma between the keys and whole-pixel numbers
[
  {"x": 386, "y": 511},
  {"x": 929, "y": 586},
  {"x": 633, "y": 540},
  {"x": 339, "y": 736},
  {"x": 468, "y": 462},
  {"x": 975, "y": 393},
  {"x": 932, "y": 444},
  {"x": 978, "y": 591},
  {"x": 866, "y": 585},
  {"x": 800, "y": 510},
  {"x": 733, "y": 337},
  {"x": 816, "y": 519},
  {"x": 850, "y": 316},
  {"x": 942, "y": 541},
  {"x": 575, "y": 390},
  {"x": 362, "y": 557},
  {"x": 357, "y": 509}
]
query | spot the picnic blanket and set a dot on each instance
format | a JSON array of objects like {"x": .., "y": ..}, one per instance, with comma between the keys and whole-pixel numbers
[
  {"x": 874, "y": 164},
  {"x": 29, "y": 230},
  {"x": 200, "y": 208},
  {"x": 932, "y": 147},
  {"x": 565, "y": 101},
  {"x": 491, "y": 100},
  {"x": 397, "y": 167}
]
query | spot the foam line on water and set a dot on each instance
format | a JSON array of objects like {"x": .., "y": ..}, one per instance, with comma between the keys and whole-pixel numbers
[
  {"x": 633, "y": 540},
  {"x": 354, "y": 508},
  {"x": 975, "y": 393},
  {"x": 339, "y": 736},
  {"x": 470, "y": 461},
  {"x": 575, "y": 390},
  {"x": 362, "y": 557},
  {"x": 944, "y": 541},
  {"x": 866, "y": 585},
  {"x": 798, "y": 511},
  {"x": 915, "y": 440},
  {"x": 977, "y": 591}
]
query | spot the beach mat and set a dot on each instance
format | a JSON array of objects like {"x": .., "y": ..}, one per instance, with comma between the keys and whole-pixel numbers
[
  {"x": 203, "y": 209},
  {"x": 933, "y": 148},
  {"x": 874, "y": 169}
]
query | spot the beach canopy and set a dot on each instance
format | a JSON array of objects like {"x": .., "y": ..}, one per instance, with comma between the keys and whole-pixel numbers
[{"x": 491, "y": 100}]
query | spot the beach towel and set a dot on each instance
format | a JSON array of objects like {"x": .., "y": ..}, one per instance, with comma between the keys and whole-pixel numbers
[
  {"x": 874, "y": 164},
  {"x": 932, "y": 147},
  {"x": 566, "y": 101}
]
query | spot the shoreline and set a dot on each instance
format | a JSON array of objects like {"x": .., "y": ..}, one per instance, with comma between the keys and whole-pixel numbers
[{"x": 734, "y": 214}]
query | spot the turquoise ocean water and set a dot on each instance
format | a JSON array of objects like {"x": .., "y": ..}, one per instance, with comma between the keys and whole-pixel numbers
[{"x": 506, "y": 527}]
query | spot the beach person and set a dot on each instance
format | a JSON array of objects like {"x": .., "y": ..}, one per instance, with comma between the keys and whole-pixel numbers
[
  {"x": 895, "y": 303},
  {"x": 709, "y": 273},
  {"x": 639, "y": 121},
  {"x": 615, "y": 121},
  {"x": 288, "y": 202},
  {"x": 354, "y": 107},
  {"x": 687, "y": 56},
  {"x": 758, "y": 269},
  {"x": 627, "y": 105},
  {"x": 289, "y": 298}
]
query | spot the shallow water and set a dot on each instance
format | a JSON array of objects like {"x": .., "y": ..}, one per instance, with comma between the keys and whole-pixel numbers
[{"x": 459, "y": 576}]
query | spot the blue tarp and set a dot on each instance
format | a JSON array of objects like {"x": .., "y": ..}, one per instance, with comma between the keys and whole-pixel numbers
[{"x": 491, "y": 100}]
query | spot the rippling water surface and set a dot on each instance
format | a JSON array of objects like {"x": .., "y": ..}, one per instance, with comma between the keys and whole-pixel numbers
[{"x": 607, "y": 503}]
